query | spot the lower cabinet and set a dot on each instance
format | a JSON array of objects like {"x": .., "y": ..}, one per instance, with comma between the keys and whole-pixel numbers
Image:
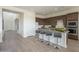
[{"x": 74, "y": 37}]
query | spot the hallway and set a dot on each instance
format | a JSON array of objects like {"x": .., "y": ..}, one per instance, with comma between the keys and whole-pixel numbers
[
  {"x": 10, "y": 42},
  {"x": 13, "y": 42}
]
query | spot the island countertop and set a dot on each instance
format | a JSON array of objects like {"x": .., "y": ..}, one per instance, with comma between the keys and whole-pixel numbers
[
  {"x": 62, "y": 41},
  {"x": 50, "y": 30}
]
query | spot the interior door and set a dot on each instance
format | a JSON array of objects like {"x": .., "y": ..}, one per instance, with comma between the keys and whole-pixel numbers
[{"x": 17, "y": 25}]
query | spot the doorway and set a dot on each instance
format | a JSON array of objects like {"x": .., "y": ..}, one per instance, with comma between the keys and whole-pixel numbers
[{"x": 10, "y": 22}]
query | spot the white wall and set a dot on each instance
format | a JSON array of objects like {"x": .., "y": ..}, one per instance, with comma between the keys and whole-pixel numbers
[
  {"x": 9, "y": 21},
  {"x": 29, "y": 24},
  {"x": 0, "y": 25},
  {"x": 27, "y": 21},
  {"x": 20, "y": 31}
]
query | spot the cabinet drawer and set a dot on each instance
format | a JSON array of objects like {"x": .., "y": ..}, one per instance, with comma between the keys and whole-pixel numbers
[{"x": 75, "y": 37}]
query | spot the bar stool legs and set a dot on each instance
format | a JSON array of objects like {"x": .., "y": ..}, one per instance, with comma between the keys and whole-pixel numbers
[
  {"x": 42, "y": 38},
  {"x": 48, "y": 34},
  {"x": 48, "y": 40},
  {"x": 56, "y": 46},
  {"x": 42, "y": 32},
  {"x": 37, "y": 34}
]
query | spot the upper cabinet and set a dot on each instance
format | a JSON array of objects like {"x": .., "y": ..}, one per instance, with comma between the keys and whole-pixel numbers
[
  {"x": 53, "y": 20},
  {"x": 40, "y": 21},
  {"x": 72, "y": 16}
]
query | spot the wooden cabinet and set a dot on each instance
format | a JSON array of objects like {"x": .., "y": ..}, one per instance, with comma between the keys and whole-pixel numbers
[
  {"x": 65, "y": 18},
  {"x": 75, "y": 37},
  {"x": 72, "y": 16},
  {"x": 53, "y": 20},
  {"x": 40, "y": 21}
]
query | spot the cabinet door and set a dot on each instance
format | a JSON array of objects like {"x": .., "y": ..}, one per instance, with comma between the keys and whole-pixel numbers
[
  {"x": 75, "y": 37},
  {"x": 64, "y": 20},
  {"x": 52, "y": 21},
  {"x": 72, "y": 17}
]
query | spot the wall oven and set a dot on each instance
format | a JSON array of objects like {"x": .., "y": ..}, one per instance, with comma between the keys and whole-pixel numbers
[
  {"x": 72, "y": 31},
  {"x": 72, "y": 27},
  {"x": 72, "y": 24}
]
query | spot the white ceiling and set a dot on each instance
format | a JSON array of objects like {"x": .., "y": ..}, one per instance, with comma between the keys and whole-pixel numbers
[{"x": 44, "y": 10}]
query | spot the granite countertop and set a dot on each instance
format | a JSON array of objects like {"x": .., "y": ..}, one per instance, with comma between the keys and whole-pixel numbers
[
  {"x": 52, "y": 30},
  {"x": 59, "y": 31}
]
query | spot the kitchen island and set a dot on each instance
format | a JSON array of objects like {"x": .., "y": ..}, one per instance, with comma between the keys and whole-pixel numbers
[{"x": 61, "y": 41}]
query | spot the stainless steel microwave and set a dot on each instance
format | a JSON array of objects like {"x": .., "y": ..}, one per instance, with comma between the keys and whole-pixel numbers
[{"x": 72, "y": 24}]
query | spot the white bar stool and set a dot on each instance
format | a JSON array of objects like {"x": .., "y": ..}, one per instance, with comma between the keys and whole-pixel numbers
[
  {"x": 42, "y": 32},
  {"x": 57, "y": 35},
  {"x": 48, "y": 34}
]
